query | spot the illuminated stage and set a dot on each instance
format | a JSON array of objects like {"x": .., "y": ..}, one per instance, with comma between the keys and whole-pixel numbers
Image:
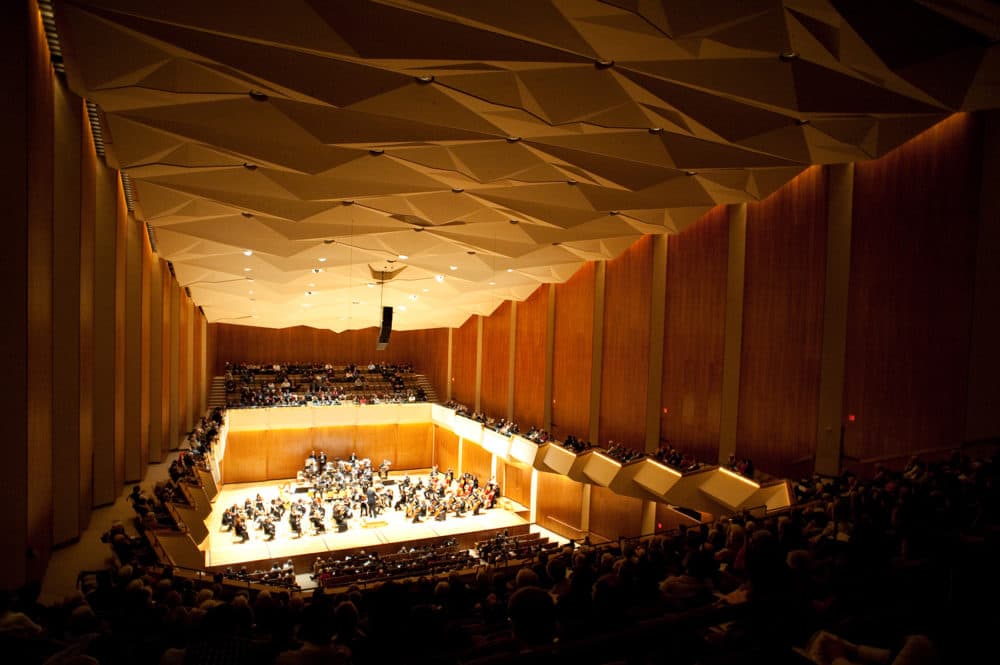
[{"x": 385, "y": 533}]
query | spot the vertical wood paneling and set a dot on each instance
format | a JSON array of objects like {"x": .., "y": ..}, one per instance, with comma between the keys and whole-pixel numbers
[
  {"x": 146, "y": 346},
  {"x": 912, "y": 271},
  {"x": 157, "y": 395},
  {"x": 174, "y": 371},
  {"x": 529, "y": 359},
  {"x": 426, "y": 350},
  {"x": 496, "y": 361},
  {"x": 68, "y": 140},
  {"x": 477, "y": 461},
  {"x": 198, "y": 364},
  {"x": 559, "y": 501},
  {"x": 783, "y": 323},
  {"x": 88, "y": 217},
  {"x": 121, "y": 327},
  {"x": 613, "y": 515},
  {"x": 463, "y": 363},
  {"x": 211, "y": 346},
  {"x": 133, "y": 351},
  {"x": 184, "y": 371},
  {"x": 517, "y": 483},
  {"x": 571, "y": 362},
  {"x": 105, "y": 336},
  {"x": 445, "y": 448},
  {"x": 628, "y": 284},
  {"x": 694, "y": 325}
]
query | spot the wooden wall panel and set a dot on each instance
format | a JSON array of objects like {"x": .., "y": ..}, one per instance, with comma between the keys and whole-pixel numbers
[
  {"x": 559, "y": 501},
  {"x": 166, "y": 366},
  {"x": 613, "y": 515},
  {"x": 529, "y": 359},
  {"x": 88, "y": 220},
  {"x": 377, "y": 442},
  {"x": 694, "y": 327},
  {"x": 246, "y": 457},
  {"x": 133, "y": 350},
  {"x": 154, "y": 359},
  {"x": 516, "y": 482},
  {"x": 145, "y": 344},
  {"x": 121, "y": 332},
  {"x": 910, "y": 300},
  {"x": 625, "y": 358},
  {"x": 184, "y": 364},
  {"x": 198, "y": 364},
  {"x": 65, "y": 340},
  {"x": 784, "y": 291},
  {"x": 463, "y": 362},
  {"x": 426, "y": 350},
  {"x": 477, "y": 461},
  {"x": 445, "y": 448},
  {"x": 415, "y": 449},
  {"x": 287, "y": 450},
  {"x": 39, "y": 196},
  {"x": 336, "y": 441},
  {"x": 571, "y": 363},
  {"x": 496, "y": 361}
]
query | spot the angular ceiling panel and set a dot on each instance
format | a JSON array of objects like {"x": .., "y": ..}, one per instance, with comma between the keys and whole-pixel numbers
[{"x": 322, "y": 137}]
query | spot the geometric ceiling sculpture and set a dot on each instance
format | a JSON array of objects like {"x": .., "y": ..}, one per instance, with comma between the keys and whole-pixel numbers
[{"x": 278, "y": 151}]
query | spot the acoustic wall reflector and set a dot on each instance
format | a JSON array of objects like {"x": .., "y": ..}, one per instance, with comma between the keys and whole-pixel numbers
[{"x": 383, "y": 333}]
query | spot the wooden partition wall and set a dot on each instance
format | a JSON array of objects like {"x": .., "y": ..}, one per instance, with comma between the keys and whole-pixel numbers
[
  {"x": 529, "y": 358},
  {"x": 463, "y": 362},
  {"x": 445, "y": 448},
  {"x": 558, "y": 504},
  {"x": 496, "y": 363},
  {"x": 693, "y": 335},
  {"x": 625, "y": 355},
  {"x": 572, "y": 360},
  {"x": 77, "y": 338},
  {"x": 910, "y": 303},
  {"x": 784, "y": 291}
]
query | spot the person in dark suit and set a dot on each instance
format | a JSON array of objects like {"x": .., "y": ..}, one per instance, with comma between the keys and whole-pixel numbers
[{"x": 372, "y": 500}]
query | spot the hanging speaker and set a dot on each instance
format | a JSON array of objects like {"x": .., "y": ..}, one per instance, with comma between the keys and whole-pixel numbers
[{"x": 383, "y": 333}]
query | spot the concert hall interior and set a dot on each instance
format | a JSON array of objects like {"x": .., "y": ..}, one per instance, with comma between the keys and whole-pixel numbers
[{"x": 682, "y": 315}]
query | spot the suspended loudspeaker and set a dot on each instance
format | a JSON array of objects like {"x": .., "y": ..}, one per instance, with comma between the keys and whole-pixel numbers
[{"x": 383, "y": 333}]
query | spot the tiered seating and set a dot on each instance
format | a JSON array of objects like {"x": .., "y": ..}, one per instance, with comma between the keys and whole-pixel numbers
[{"x": 372, "y": 568}]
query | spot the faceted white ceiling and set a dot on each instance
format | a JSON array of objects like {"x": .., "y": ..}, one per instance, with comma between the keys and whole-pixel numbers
[{"x": 496, "y": 145}]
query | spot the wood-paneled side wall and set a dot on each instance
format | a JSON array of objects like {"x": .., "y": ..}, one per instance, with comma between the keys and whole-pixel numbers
[
  {"x": 445, "y": 448},
  {"x": 628, "y": 283},
  {"x": 66, "y": 265},
  {"x": 477, "y": 461},
  {"x": 571, "y": 362},
  {"x": 613, "y": 515},
  {"x": 463, "y": 362},
  {"x": 559, "y": 502},
  {"x": 515, "y": 482},
  {"x": 256, "y": 456},
  {"x": 694, "y": 327},
  {"x": 785, "y": 287},
  {"x": 529, "y": 359},
  {"x": 496, "y": 361},
  {"x": 910, "y": 296},
  {"x": 426, "y": 350}
]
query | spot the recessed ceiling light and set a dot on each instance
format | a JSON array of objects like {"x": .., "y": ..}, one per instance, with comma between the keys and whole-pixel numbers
[
  {"x": 690, "y": 172},
  {"x": 375, "y": 152},
  {"x": 403, "y": 257},
  {"x": 329, "y": 241},
  {"x": 249, "y": 278},
  {"x": 249, "y": 167},
  {"x": 419, "y": 229},
  {"x": 514, "y": 221},
  {"x": 656, "y": 130},
  {"x": 317, "y": 270},
  {"x": 347, "y": 203},
  {"x": 321, "y": 259},
  {"x": 401, "y": 308},
  {"x": 510, "y": 270},
  {"x": 426, "y": 78},
  {"x": 440, "y": 278},
  {"x": 470, "y": 252},
  {"x": 247, "y": 269},
  {"x": 457, "y": 190},
  {"x": 571, "y": 182},
  {"x": 613, "y": 212},
  {"x": 604, "y": 63},
  {"x": 248, "y": 215},
  {"x": 258, "y": 96},
  {"x": 247, "y": 252},
  {"x": 555, "y": 244},
  {"x": 371, "y": 285},
  {"x": 789, "y": 54},
  {"x": 802, "y": 121},
  {"x": 451, "y": 268},
  {"x": 309, "y": 293},
  {"x": 493, "y": 283},
  {"x": 513, "y": 139}
]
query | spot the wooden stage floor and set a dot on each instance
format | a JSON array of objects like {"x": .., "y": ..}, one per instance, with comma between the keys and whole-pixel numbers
[{"x": 384, "y": 534}]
